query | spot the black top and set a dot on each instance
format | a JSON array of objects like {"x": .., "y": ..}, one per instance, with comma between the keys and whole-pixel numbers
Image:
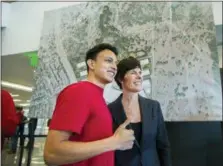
[{"x": 137, "y": 128}]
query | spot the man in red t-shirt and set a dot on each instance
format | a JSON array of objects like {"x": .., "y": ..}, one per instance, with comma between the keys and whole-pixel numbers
[
  {"x": 9, "y": 118},
  {"x": 80, "y": 131}
]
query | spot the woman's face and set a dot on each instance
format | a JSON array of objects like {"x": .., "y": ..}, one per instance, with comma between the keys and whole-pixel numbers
[{"x": 133, "y": 80}]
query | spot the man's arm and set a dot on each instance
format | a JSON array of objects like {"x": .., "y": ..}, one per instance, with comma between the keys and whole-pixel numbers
[{"x": 59, "y": 150}]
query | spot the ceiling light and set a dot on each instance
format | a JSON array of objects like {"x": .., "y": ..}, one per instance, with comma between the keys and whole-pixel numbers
[
  {"x": 16, "y": 100},
  {"x": 16, "y": 86},
  {"x": 14, "y": 95},
  {"x": 24, "y": 104}
]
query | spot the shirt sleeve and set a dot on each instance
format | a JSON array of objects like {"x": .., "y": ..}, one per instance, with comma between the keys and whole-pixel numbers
[{"x": 71, "y": 112}]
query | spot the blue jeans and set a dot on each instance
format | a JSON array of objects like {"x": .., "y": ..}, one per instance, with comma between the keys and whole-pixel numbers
[
  {"x": 15, "y": 137},
  {"x": 14, "y": 140}
]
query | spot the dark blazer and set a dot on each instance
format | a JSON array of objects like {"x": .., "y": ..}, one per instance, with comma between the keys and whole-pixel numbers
[{"x": 154, "y": 149}]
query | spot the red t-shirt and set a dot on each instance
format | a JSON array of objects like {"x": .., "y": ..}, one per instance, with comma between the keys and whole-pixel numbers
[
  {"x": 9, "y": 118},
  {"x": 81, "y": 109}
]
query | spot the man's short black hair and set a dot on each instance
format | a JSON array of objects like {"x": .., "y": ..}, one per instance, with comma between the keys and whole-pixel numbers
[
  {"x": 93, "y": 52},
  {"x": 124, "y": 66}
]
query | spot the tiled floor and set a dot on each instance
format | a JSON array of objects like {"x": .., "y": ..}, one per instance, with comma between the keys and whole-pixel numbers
[{"x": 37, "y": 157}]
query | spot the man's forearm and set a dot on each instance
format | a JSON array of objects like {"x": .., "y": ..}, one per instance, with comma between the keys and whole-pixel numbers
[{"x": 72, "y": 152}]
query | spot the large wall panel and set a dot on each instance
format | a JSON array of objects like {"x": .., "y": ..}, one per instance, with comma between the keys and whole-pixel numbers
[{"x": 175, "y": 42}]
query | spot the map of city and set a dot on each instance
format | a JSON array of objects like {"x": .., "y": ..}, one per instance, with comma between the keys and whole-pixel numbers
[{"x": 174, "y": 41}]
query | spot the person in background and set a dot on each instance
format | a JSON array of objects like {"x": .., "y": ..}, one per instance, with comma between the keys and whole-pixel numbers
[
  {"x": 80, "y": 132},
  {"x": 151, "y": 145},
  {"x": 32, "y": 128},
  {"x": 19, "y": 132},
  {"x": 9, "y": 118}
]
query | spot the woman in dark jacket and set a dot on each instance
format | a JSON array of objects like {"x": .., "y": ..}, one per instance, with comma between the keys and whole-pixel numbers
[{"x": 151, "y": 147}]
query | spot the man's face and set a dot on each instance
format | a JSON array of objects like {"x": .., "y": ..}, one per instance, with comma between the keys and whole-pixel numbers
[{"x": 104, "y": 66}]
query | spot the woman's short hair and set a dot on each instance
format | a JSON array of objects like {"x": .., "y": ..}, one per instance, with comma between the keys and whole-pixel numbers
[{"x": 124, "y": 66}]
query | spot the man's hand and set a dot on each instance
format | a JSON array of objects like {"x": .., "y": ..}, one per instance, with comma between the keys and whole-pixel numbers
[{"x": 124, "y": 137}]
